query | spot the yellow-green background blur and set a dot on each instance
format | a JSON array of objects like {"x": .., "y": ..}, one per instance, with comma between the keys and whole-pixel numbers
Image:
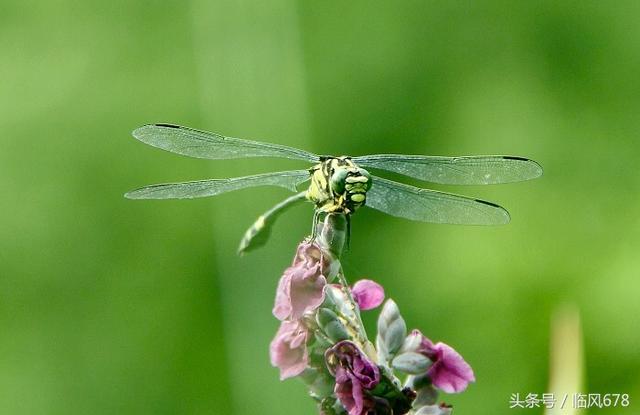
[{"x": 113, "y": 306}]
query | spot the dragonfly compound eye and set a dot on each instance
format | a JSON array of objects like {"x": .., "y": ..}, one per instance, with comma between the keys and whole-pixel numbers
[{"x": 338, "y": 179}]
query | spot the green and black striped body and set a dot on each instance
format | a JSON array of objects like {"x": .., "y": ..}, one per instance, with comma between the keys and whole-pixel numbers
[{"x": 338, "y": 185}]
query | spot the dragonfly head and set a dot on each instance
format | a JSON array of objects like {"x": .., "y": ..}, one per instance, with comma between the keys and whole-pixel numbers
[{"x": 349, "y": 181}]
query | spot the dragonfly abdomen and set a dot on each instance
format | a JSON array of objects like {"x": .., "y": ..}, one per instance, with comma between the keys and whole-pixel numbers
[{"x": 356, "y": 185}]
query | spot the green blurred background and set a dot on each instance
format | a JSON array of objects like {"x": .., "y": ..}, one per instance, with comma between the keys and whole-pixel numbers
[{"x": 115, "y": 306}]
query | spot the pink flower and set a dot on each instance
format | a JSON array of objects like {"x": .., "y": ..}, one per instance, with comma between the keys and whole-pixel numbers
[
  {"x": 301, "y": 287},
  {"x": 368, "y": 294},
  {"x": 448, "y": 371},
  {"x": 289, "y": 349},
  {"x": 310, "y": 254},
  {"x": 355, "y": 374}
]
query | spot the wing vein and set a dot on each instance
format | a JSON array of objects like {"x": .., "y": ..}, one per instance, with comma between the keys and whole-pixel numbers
[
  {"x": 212, "y": 187},
  {"x": 409, "y": 202},
  {"x": 465, "y": 170}
]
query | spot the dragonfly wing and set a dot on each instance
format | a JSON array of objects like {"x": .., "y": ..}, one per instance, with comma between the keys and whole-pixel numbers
[
  {"x": 456, "y": 170},
  {"x": 402, "y": 200},
  {"x": 212, "y": 187},
  {"x": 202, "y": 144}
]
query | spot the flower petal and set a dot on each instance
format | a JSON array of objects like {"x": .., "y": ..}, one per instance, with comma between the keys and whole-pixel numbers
[
  {"x": 301, "y": 287},
  {"x": 450, "y": 372},
  {"x": 306, "y": 290},
  {"x": 368, "y": 294},
  {"x": 288, "y": 349},
  {"x": 355, "y": 375},
  {"x": 282, "y": 306}
]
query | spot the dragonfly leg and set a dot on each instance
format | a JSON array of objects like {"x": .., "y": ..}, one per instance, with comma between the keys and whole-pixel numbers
[
  {"x": 348, "y": 239},
  {"x": 314, "y": 224}
]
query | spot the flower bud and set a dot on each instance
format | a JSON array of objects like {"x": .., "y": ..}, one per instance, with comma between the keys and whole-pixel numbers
[
  {"x": 368, "y": 294},
  {"x": 412, "y": 342},
  {"x": 411, "y": 362},
  {"x": 391, "y": 331},
  {"x": 339, "y": 301},
  {"x": 331, "y": 325}
]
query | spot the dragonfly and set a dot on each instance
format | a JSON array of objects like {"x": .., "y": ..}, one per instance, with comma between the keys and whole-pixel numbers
[{"x": 340, "y": 184}]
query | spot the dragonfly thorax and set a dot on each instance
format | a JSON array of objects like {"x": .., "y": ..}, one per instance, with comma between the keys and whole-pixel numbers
[{"x": 338, "y": 185}]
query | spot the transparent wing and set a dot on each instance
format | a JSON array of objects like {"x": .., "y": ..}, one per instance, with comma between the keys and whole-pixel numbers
[
  {"x": 201, "y": 144},
  {"x": 456, "y": 170},
  {"x": 203, "y": 188},
  {"x": 426, "y": 205}
]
